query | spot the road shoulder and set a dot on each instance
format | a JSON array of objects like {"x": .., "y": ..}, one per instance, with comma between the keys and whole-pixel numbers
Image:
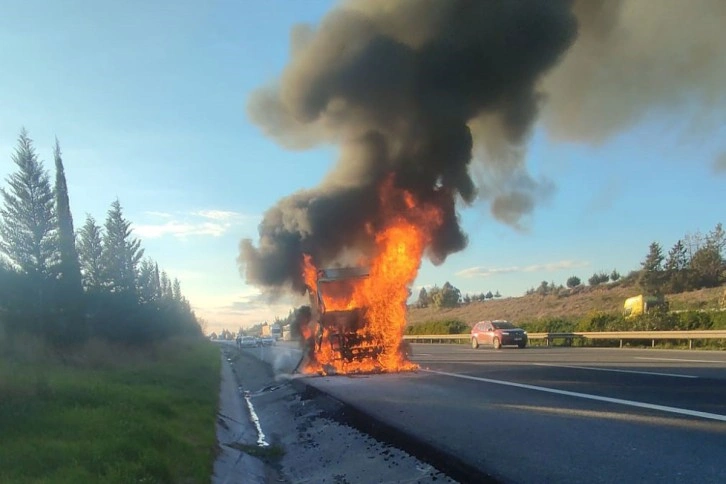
[{"x": 305, "y": 442}]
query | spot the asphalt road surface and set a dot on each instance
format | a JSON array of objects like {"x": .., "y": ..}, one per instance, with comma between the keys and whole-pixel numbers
[{"x": 558, "y": 414}]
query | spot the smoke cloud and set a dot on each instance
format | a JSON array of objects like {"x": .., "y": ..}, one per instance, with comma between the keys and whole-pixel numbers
[
  {"x": 443, "y": 94},
  {"x": 638, "y": 58},
  {"x": 719, "y": 165}
]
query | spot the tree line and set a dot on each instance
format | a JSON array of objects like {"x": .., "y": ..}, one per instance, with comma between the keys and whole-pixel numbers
[
  {"x": 449, "y": 296},
  {"x": 695, "y": 261},
  {"x": 67, "y": 286}
]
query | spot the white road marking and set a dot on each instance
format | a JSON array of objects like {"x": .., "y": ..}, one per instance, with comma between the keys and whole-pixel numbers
[
  {"x": 679, "y": 359},
  {"x": 616, "y": 370},
  {"x": 631, "y": 403},
  {"x": 255, "y": 420}
]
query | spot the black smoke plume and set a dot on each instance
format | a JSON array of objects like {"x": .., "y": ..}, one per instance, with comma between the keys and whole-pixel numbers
[
  {"x": 635, "y": 58},
  {"x": 420, "y": 88}
]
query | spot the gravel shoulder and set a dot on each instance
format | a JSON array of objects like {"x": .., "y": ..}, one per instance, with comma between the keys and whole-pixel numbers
[{"x": 305, "y": 433}]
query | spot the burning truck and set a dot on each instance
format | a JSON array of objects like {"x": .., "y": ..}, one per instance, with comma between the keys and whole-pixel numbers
[
  {"x": 357, "y": 314},
  {"x": 344, "y": 330},
  {"x": 339, "y": 336}
]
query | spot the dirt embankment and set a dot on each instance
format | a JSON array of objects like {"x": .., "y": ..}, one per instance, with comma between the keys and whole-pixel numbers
[{"x": 569, "y": 305}]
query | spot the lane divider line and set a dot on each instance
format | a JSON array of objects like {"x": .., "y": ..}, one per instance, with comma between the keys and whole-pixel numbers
[
  {"x": 676, "y": 375},
  {"x": 619, "y": 401},
  {"x": 679, "y": 359}
]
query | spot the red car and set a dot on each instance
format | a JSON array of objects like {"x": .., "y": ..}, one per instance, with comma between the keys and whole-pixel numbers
[{"x": 497, "y": 333}]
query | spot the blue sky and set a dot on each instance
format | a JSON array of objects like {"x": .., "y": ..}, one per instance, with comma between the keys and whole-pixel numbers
[{"x": 148, "y": 102}]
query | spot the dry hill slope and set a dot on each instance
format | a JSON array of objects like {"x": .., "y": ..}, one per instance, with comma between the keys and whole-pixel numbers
[{"x": 608, "y": 299}]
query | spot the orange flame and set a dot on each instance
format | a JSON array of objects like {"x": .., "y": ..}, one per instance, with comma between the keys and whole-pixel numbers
[
  {"x": 400, "y": 244},
  {"x": 310, "y": 273}
]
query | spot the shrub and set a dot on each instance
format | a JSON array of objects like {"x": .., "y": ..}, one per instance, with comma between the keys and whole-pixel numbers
[
  {"x": 600, "y": 322},
  {"x": 598, "y": 278},
  {"x": 718, "y": 320},
  {"x": 691, "y": 320},
  {"x": 550, "y": 325},
  {"x": 450, "y": 326},
  {"x": 573, "y": 281},
  {"x": 656, "y": 321}
]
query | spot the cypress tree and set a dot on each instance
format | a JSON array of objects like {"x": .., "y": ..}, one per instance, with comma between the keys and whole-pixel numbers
[{"x": 70, "y": 289}]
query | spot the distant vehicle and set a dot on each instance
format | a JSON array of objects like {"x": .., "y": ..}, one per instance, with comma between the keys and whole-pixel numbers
[
  {"x": 248, "y": 342},
  {"x": 497, "y": 333},
  {"x": 267, "y": 341},
  {"x": 637, "y": 305},
  {"x": 286, "y": 334}
]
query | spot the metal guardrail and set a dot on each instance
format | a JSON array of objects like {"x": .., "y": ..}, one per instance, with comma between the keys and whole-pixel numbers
[{"x": 602, "y": 335}]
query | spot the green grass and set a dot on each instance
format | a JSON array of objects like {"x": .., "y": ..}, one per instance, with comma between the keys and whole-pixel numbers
[
  {"x": 270, "y": 454},
  {"x": 110, "y": 415}
]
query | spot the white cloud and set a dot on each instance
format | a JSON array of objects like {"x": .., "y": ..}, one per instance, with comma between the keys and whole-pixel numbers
[
  {"x": 179, "y": 229},
  {"x": 211, "y": 223},
  {"x": 481, "y": 271},
  {"x": 486, "y": 272},
  {"x": 220, "y": 215}
]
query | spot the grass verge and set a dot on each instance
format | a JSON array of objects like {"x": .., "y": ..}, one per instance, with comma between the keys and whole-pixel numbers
[
  {"x": 270, "y": 454},
  {"x": 109, "y": 414}
]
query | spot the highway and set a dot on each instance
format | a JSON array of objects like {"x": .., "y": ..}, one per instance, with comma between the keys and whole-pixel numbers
[{"x": 557, "y": 414}]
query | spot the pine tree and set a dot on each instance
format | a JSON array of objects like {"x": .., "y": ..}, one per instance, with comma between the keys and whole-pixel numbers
[
  {"x": 423, "y": 298},
  {"x": 651, "y": 278},
  {"x": 121, "y": 252},
  {"x": 573, "y": 281},
  {"x": 157, "y": 282},
  {"x": 676, "y": 268},
  {"x": 677, "y": 257},
  {"x": 70, "y": 289},
  {"x": 717, "y": 239},
  {"x": 28, "y": 229},
  {"x": 90, "y": 254},
  {"x": 149, "y": 290},
  {"x": 176, "y": 293},
  {"x": 707, "y": 266},
  {"x": 446, "y": 297},
  {"x": 165, "y": 284}
]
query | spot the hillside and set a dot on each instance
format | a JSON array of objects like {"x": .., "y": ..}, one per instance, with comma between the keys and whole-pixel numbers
[{"x": 587, "y": 300}]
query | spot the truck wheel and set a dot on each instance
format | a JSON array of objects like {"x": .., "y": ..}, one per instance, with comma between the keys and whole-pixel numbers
[{"x": 407, "y": 349}]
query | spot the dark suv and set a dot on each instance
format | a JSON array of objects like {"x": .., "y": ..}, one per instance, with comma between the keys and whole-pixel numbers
[{"x": 497, "y": 333}]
